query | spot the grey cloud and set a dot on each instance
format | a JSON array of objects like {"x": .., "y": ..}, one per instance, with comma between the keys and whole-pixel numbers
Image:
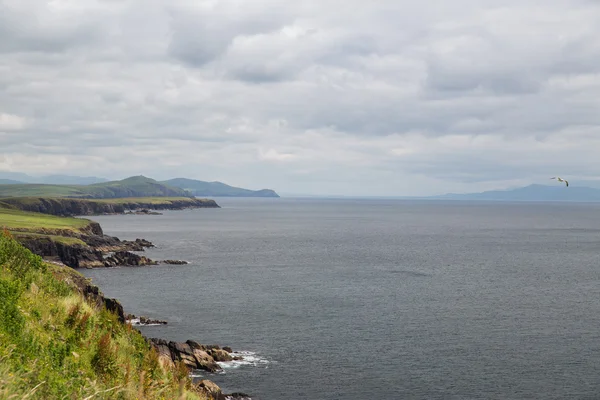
[
  {"x": 199, "y": 36},
  {"x": 30, "y": 26},
  {"x": 229, "y": 88}
]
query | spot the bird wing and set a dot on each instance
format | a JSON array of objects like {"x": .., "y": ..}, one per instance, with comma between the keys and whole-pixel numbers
[{"x": 567, "y": 183}]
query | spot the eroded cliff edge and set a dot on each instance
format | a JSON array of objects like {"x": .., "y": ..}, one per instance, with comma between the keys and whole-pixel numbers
[{"x": 71, "y": 207}]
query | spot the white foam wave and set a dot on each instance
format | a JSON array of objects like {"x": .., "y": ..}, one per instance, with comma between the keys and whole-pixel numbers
[
  {"x": 249, "y": 358},
  {"x": 136, "y": 322}
]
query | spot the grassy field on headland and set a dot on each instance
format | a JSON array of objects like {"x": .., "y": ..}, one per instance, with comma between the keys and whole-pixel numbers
[
  {"x": 56, "y": 345},
  {"x": 36, "y": 222},
  {"x": 137, "y": 186},
  {"x": 30, "y": 225}
]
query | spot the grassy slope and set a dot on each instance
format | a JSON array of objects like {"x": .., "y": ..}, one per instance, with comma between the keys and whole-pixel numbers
[
  {"x": 55, "y": 238},
  {"x": 138, "y": 186},
  {"x": 24, "y": 225},
  {"x": 54, "y": 345},
  {"x": 35, "y": 222}
]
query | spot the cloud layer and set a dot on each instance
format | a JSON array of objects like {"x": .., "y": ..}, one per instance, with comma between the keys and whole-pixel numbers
[{"x": 389, "y": 97}]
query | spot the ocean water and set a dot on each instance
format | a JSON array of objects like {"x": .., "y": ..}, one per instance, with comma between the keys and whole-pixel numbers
[{"x": 377, "y": 299}]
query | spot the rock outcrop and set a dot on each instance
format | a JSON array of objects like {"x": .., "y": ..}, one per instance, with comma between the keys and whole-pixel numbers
[
  {"x": 213, "y": 391},
  {"x": 193, "y": 354},
  {"x": 74, "y": 256},
  {"x": 175, "y": 262},
  {"x": 90, "y": 255},
  {"x": 210, "y": 388},
  {"x": 126, "y": 258},
  {"x": 133, "y": 320}
]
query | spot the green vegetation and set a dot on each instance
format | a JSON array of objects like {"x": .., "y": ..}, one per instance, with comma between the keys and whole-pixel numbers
[
  {"x": 137, "y": 186},
  {"x": 29, "y": 225},
  {"x": 14, "y": 219},
  {"x": 56, "y": 345},
  {"x": 201, "y": 188},
  {"x": 55, "y": 238}
]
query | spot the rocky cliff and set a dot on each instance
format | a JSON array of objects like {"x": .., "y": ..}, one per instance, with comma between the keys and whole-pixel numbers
[
  {"x": 70, "y": 207},
  {"x": 87, "y": 251}
]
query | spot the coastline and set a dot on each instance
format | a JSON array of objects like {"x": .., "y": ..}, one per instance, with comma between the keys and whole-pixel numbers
[
  {"x": 47, "y": 228},
  {"x": 85, "y": 207},
  {"x": 195, "y": 356},
  {"x": 87, "y": 246}
]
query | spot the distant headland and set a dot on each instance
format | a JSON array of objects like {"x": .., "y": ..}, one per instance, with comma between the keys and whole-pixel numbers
[{"x": 21, "y": 185}]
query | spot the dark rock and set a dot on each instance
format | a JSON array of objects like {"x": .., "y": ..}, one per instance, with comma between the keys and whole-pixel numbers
[
  {"x": 144, "y": 243},
  {"x": 228, "y": 349},
  {"x": 238, "y": 396},
  {"x": 143, "y": 320},
  {"x": 175, "y": 262},
  {"x": 126, "y": 258},
  {"x": 195, "y": 345},
  {"x": 143, "y": 211},
  {"x": 74, "y": 256},
  {"x": 220, "y": 355},
  {"x": 115, "y": 307}
]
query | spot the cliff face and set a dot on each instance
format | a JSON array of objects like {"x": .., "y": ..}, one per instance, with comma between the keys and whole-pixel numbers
[
  {"x": 69, "y": 207},
  {"x": 99, "y": 251},
  {"x": 75, "y": 256}
]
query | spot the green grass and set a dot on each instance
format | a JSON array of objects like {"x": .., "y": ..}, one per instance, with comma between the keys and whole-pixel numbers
[
  {"x": 54, "y": 345},
  {"x": 13, "y": 219},
  {"x": 138, "y": 186},
  {"x": 36, "y": 190},
  {"x": 55, "y": 238}
]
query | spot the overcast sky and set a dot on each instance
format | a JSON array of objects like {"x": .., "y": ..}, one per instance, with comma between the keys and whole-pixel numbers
[{"x": 381, "y": 97}]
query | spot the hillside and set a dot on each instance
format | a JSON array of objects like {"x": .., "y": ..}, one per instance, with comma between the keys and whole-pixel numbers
[
  {"x": 572, "y": 193},
  {"x": 58, "y": 339},
  {"x": 138, "y": 186},
  {"x": 217, "y": 189}
]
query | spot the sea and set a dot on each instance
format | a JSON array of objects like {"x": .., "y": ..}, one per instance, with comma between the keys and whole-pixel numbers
[{"x": 376, "y": 299}]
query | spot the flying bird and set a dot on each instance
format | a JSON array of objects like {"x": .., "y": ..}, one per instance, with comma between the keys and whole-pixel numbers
[{"x": 558, "y": 178}]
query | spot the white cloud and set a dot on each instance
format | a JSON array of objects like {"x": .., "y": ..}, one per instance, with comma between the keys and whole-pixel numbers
[
  {"x": 10, "y": 122},
  {"x": 274, "y": 155}
]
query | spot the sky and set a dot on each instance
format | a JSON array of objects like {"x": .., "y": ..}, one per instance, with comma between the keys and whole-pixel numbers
[{"x": 330, "y": 97}]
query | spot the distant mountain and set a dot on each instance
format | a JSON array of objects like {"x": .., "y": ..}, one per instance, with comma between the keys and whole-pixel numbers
[
  {"x": 9, "y": 182},
  {"x": 533, "y": 193},
  {"x": 137, "y": 186},
  {"x": 17, "y": 177},
  {"x": 70, "y": 180},
  {"x": 217, "y": 189}
]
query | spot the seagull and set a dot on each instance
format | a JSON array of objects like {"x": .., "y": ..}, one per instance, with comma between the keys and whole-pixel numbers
[{"x": 558, "y": 178}]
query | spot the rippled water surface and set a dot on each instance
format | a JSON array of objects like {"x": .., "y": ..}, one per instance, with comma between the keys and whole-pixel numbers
[{"x": 378, "y": 299}]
